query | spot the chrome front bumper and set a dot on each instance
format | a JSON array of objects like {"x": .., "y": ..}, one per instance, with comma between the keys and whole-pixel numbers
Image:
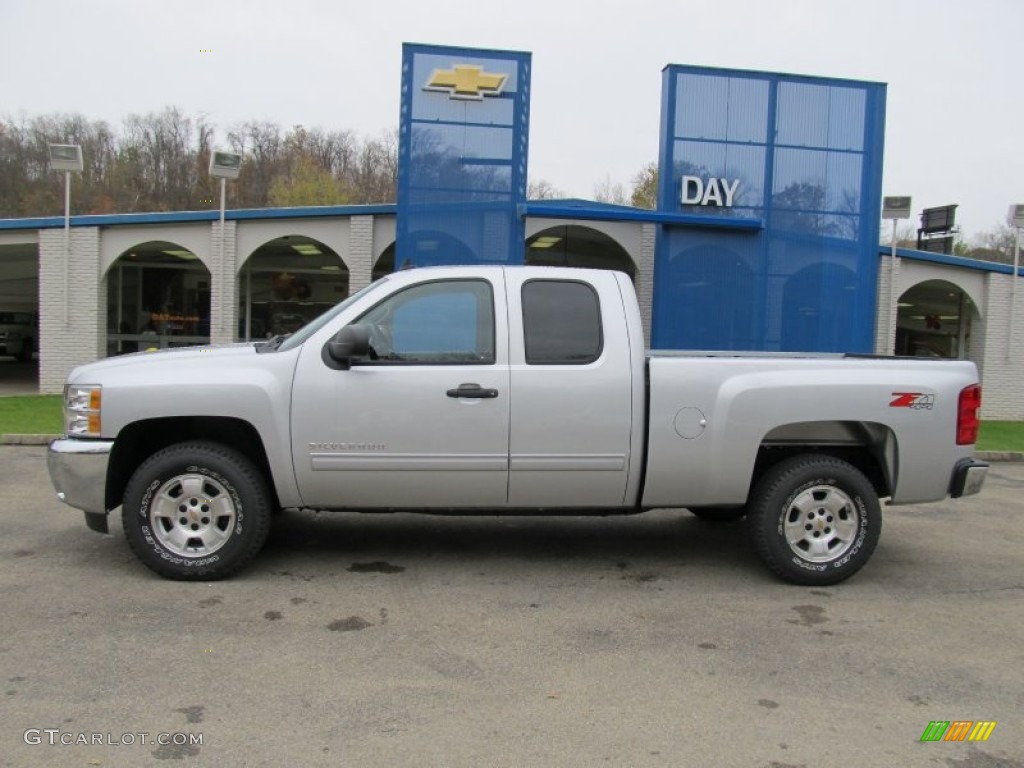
[{"x": 78, "y": 469}]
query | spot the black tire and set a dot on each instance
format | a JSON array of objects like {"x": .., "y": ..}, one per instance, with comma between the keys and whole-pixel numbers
[
  {"x": 814, "y": 520},
  {"x": 196, "y": 511},
  {"x": 27, "y": 347},
  {"x": 718, "y": 514}
]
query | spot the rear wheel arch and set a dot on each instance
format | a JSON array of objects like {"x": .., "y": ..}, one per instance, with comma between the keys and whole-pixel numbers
[{"x": 869, "y": 446}]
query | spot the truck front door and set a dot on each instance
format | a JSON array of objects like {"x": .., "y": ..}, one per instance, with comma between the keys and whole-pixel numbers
[{"x": 425, "y": 422}]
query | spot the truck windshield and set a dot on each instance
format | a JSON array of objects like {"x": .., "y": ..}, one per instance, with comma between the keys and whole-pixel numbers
[{"x": 316, "y": 324}]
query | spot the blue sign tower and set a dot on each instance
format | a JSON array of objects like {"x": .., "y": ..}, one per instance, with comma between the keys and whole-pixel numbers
[
  {"x": 463, "y": 138},
  {"x": 797, "y": 161}
]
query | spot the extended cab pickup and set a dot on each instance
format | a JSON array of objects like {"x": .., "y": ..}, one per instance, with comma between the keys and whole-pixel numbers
[{"x": 507, "y": 390}]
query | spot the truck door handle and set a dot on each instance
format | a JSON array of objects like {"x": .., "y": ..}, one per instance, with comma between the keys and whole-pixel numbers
[{"x": 472, "y": 390}]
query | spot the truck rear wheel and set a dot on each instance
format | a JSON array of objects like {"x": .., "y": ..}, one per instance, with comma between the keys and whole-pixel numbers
[
  {"x": 814, "y": 520},
  {"x": 196, "y": 511}
]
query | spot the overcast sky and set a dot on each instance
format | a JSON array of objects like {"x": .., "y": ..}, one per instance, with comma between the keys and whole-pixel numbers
[{"x": 954, "y": 71}]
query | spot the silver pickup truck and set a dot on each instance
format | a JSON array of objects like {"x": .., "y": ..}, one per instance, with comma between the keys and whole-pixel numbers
[{"x": 507, "y": 390}]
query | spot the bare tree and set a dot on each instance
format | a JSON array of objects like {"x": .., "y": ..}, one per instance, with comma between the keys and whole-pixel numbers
[
  {"x": 906, "y": 234},
  {"x": 996, "y": 244},
  {"x": 541, "y": 189},
  {"x": 372, "y": 177},
  {"x": 265, "y": 159},
  {"x": 608, "y": 191}
]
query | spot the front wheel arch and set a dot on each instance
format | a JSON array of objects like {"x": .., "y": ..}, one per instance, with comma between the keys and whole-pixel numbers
[{"x": 141, "y": 439}]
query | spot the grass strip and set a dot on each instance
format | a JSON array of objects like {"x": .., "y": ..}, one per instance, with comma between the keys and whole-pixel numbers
[{"x": 31, "y": 415}]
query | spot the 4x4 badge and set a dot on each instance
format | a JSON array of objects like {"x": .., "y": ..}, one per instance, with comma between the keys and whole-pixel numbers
[{"x": 915, "y": 400}]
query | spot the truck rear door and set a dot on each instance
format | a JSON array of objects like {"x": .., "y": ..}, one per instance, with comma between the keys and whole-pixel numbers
[{"x": 572, "y": 390}]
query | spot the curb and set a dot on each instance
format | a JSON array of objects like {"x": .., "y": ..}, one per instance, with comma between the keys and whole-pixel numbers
[
  {"x": 45, "y": 440},
  {"x": 27, "y": 439},
  {"x": 999, "y": 455}
]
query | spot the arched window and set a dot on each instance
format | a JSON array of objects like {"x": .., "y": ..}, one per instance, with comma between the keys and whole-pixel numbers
[
  {"x": 158, "y": 295},
  {"x": 575, "y": 246},
  {"x": 287, "y": 282},
  {"x": 934, "y": 319}
]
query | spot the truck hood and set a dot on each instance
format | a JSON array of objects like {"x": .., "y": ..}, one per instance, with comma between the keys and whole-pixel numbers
[{"x": 94, "y": 373}]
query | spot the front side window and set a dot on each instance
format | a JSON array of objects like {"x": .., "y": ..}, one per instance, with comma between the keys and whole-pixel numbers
[
  {"x": 444, "y": 322},
  {"x": 561, "y": 323}
]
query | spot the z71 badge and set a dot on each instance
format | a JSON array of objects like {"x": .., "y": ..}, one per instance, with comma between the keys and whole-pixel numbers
[{"x": 916, "y": 400}]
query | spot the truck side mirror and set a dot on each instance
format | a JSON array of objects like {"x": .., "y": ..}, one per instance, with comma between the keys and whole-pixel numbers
[{"x": 350, "y": 343}]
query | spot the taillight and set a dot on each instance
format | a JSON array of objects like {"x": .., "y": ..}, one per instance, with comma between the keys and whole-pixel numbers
[{"x": 967, "y": 420}]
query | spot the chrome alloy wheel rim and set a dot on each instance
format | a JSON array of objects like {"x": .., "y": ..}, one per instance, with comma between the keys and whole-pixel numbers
[
  {"x": 193, "y": 515},
  {"x": 821, "y": 524}
]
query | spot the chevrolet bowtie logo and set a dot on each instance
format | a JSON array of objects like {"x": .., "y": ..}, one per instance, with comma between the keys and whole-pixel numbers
[{"x": 466, "y": 82}]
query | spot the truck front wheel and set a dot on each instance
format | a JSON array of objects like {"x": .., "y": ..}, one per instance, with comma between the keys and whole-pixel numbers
[
  {"x": 814, "y": 520},
  {"x": 196, "y": 511}
]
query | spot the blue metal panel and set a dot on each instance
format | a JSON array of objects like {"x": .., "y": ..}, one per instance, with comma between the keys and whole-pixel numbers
[
  {"x": 805, "y": 156},
  {"x": 823, "y": 116},
  {"x": 463, "y": 137},
  {"x": 706, "y": 291}
]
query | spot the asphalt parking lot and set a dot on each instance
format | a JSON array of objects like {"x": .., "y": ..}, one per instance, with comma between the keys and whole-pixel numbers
[{"x": 398, "y": 640}]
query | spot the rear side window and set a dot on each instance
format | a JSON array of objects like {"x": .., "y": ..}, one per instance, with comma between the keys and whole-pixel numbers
[{"x": 561, "y": 322}]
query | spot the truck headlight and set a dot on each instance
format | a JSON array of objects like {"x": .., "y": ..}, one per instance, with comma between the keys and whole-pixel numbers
[{"x": 82, "y": 410}]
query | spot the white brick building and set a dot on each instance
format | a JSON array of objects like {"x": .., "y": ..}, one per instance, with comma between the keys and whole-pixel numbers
[{"x": 95, "y": 302}]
